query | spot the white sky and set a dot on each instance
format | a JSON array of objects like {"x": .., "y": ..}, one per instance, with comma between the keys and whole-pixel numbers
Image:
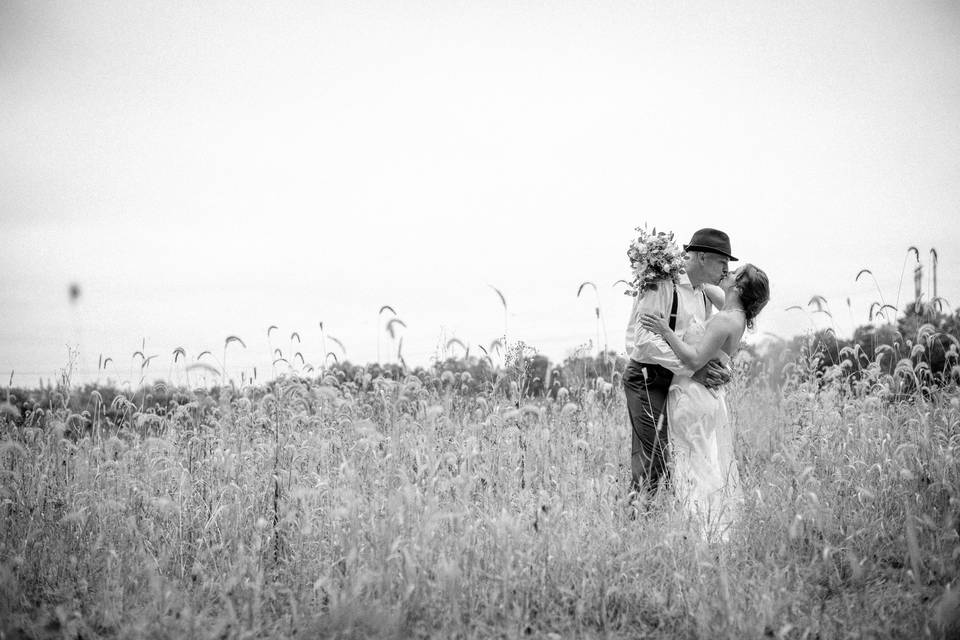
[{"x": 207, "y": 169}]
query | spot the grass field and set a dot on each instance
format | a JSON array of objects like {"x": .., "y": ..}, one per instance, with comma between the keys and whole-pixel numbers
[{"x": 324, "y": 508}]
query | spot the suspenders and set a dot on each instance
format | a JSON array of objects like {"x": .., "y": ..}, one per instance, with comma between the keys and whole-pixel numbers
[{"x": 673, "y": 308}]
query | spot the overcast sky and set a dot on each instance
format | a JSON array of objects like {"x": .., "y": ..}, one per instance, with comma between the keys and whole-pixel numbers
[{"x": 211, "y": 169}]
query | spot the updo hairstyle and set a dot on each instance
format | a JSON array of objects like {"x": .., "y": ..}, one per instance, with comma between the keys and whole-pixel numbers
[{"x": 754, "y": 288}]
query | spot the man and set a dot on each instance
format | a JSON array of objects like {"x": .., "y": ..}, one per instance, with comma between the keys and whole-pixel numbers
[{"x": 653, "y": 363}]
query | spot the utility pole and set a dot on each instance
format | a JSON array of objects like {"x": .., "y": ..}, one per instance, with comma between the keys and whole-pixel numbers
[
  {"x": 933, "y": 259},
  {"x": 917, "y": 283}
]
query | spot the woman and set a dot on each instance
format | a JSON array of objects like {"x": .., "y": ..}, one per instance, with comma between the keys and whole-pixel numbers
[{"x": 705, "y": 474}]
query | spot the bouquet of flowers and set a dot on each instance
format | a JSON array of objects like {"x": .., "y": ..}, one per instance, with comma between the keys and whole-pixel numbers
[{"x": 653, "y": 257}]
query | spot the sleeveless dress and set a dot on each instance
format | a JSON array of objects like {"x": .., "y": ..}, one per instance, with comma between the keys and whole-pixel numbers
[{"x": 704, "y": 476}]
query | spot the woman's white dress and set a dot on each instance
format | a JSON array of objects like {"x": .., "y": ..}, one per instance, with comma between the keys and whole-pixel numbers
[{"x": 704, "y": 476}]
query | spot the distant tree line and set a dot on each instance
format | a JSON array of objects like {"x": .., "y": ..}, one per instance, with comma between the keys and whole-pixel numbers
[{"x": 920, "y": 349}]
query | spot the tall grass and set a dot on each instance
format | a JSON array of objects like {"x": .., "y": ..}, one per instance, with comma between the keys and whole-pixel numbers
[{"x": 381, "y": 508}]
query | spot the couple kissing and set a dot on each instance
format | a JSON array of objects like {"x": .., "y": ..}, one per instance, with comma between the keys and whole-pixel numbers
[{"x": 681, "y": 337}]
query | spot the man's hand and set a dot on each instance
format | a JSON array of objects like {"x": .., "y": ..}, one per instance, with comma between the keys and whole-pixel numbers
[{"x": 713, "y": 374}]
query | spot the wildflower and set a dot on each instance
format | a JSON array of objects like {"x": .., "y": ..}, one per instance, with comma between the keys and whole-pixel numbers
[{"x": 653, "y": 257}]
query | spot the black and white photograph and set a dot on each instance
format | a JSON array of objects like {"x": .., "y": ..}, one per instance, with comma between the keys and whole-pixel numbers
[{"x": 479, "y": 319}]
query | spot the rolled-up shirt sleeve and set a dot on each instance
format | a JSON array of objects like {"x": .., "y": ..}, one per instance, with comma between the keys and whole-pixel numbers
[{"x": 648, "y": 347}]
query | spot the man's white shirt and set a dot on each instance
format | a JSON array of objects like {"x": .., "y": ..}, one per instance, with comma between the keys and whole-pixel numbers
[{"x": 647, "y": 347}]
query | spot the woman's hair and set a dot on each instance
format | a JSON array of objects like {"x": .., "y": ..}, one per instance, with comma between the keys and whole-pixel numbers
[{"x": 754, "y": 290}]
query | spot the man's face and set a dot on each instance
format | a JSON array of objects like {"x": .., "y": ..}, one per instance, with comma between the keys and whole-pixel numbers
[{"x": 715, "y": 267}]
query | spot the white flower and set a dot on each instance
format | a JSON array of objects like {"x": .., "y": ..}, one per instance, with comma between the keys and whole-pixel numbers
[{"x": 653, "y": 257}]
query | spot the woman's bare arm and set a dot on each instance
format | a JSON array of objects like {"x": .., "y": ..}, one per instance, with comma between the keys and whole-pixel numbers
[
  {"x": 715, "y": 295},
  {"x": 718, "y": 331}
]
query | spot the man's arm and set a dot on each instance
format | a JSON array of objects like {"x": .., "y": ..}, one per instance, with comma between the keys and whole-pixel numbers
[{"x": 646, "y": 345}]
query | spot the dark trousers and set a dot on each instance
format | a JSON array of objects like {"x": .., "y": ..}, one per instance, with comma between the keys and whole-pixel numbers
[{"x": 646, "y": 409}]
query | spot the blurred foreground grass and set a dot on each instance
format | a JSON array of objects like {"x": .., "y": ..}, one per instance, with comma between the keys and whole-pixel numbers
[{"x": 318, "y": 508}]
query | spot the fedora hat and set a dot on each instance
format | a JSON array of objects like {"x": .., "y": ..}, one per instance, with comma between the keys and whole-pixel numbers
[{"x": 710, "y": 241}]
